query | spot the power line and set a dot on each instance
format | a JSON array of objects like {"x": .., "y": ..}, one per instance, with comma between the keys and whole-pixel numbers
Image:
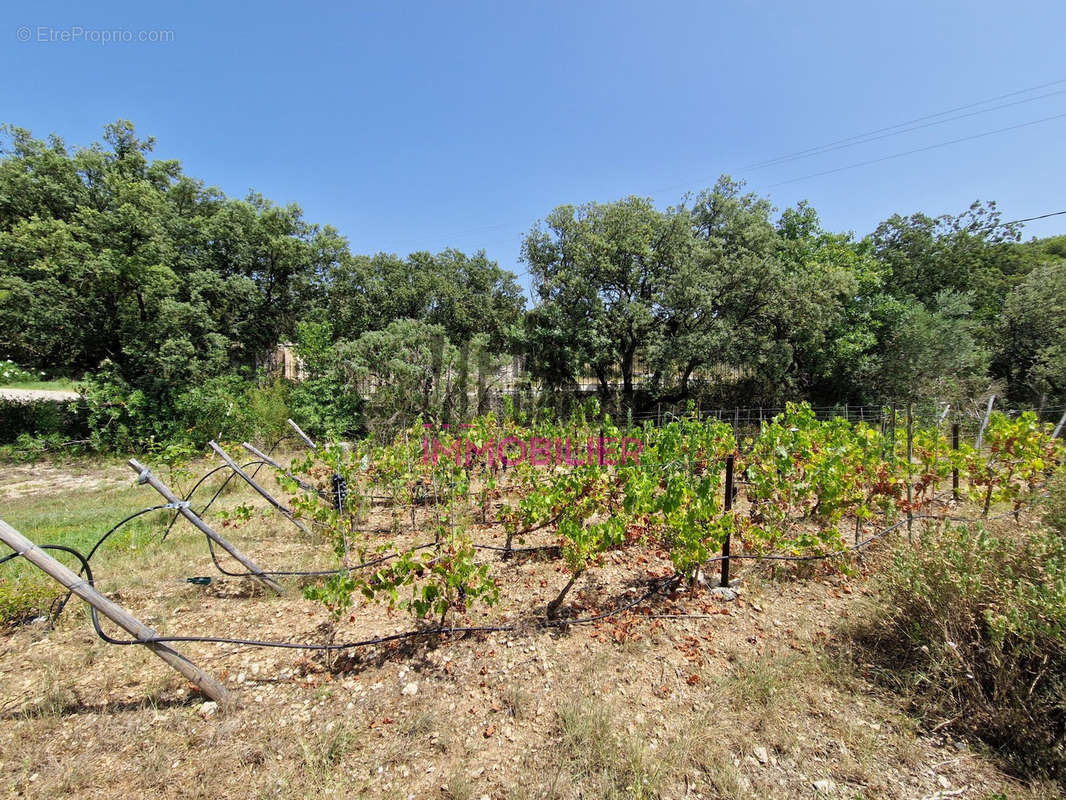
[
  {"x": 860, "y": 140},
  {"x": 877, "y": 134},
  {"x": 918, "y": 150},
  {"x": 789, "y": 156},
  {"x": 1030, "y": 219}
]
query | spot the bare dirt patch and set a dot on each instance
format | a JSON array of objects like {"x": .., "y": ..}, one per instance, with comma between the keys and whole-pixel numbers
[{"x": 46, "y": 479}]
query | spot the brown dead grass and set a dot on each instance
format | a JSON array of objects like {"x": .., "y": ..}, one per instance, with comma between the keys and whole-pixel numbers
[{"x": 738, "y": 700}]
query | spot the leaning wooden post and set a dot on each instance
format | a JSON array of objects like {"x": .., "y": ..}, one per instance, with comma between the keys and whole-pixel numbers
[
  {"x": 984, "y": 423},
  {"x": 76, "y": 584},
  {"x": 233, "y": 465},
  {"x": 302, "y": 435},
  {"x": 1058, "y": 428},
  {"x": 728, "y": 505},
  {"x": 255, "y": 451},
  {"x": 146, "y": 476}
]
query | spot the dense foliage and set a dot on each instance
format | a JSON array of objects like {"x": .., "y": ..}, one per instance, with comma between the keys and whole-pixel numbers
[{"x": 170, "y": 298}]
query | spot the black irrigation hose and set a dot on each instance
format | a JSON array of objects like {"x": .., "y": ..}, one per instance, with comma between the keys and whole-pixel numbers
[
  {"x": 84, "y": 561},
  {"x": 551, "y": 623},
  {"x": 671, "y": 580},
  {"x": 118, "y": 525},
  {"x": 503, "y": 549},
  {"x": 62, "y": 604},
  {"x": 188, "y": 497},
  {"x": 308, "y": 573},
  {"x": 214, "y": 497}
]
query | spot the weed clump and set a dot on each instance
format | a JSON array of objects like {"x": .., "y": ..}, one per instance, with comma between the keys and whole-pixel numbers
[{"x": 974, "y": 631}]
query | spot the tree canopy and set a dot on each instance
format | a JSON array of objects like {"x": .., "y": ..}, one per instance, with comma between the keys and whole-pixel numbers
[{"x": 163, "y": 290}]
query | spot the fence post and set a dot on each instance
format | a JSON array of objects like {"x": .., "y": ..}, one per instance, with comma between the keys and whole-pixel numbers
[
  {"x": 728, "y": 507},
  {"x": 984, "y": 423},
  {"x": 955, "y": 470},
  {"x": 120, "y": 616},
  {"x": 146, "y": 476}
]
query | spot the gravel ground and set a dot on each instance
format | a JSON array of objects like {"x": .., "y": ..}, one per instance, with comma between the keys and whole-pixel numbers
[{"x": 36, "y": 394}]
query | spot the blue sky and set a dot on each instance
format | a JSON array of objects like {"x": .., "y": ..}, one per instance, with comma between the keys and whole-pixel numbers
[{"x": 423, "y": 125}]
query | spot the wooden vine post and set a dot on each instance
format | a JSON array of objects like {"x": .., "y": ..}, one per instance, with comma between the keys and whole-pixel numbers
[
  {"x": 78, "y": 585},
  {"x": 146, "y": 476},
  {"x": 984, "y": 424},
  {"x": 268, "y": 460},
  {"x": 233, "y": 465},
  {"x": 302, "y": 435}
]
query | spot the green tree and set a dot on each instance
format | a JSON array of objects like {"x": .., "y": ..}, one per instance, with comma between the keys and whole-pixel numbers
[
  {"x": 931, "y": 352},
  {"x": 1031, "y": 352},
  {"x": 404, "y": 371},
  {"x": 600, "y": 272},
  {"x": 969, "y": 252},
  {"x": 720, "y": 295},
  {"x": 466, "y": 294}
]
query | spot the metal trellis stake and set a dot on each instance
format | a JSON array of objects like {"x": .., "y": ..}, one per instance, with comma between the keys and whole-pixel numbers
[
  {"x": 76, "y": 584},
  {"x": 146, "y": 476},
  {"x": 728, "y": 507}
]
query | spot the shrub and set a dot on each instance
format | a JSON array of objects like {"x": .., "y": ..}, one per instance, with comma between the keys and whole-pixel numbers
[
  {"x": 228, "y": 407},
  {"x": 42, "y": 418},
  {"x": 120, "y": 417},
  {"x": 1055, "y": 511},
  {"x": 10, "y": 372},
  {"x": 974, "y": 628},
  {"x": 24, "y": 597}
]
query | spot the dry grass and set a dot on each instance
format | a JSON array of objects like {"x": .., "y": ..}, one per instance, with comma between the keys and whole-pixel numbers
[{"x": 748, "y": 699}]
